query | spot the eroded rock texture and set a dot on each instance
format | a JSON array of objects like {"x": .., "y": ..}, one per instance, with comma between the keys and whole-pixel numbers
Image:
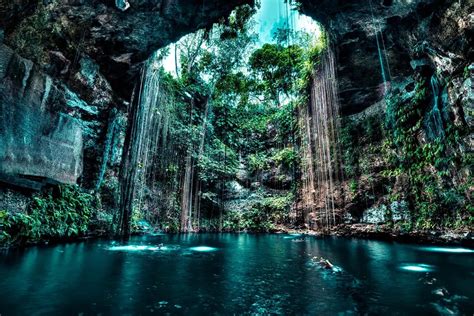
[
  {"x": 422, "y": 45},
  {"x": 399, "y": 26},
  {"x": 119, "y": 41},
  {"x": 36, "y": 141}
]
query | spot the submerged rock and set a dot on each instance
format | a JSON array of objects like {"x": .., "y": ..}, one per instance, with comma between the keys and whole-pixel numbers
[
  {"x": 123, "y": 5},
  {"x": 441, "y": 292}
]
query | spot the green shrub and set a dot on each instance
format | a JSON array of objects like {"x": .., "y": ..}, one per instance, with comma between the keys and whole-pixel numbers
[
  {"x": 65, "y": 214},
  {"x": 257, "y": 162},
  {"x": 428, "y": 166},
  {"x": 286, "y": 157},
  {"x": 262, "y": 216}
]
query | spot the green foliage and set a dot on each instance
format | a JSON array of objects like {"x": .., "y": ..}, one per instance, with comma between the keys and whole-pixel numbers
[
  {"x": 262, "y": 216},
  {"x": 277, "y": 66},
  {"x": 348, "y": 140},
  {"x": 427, "y": 165},
  {"x": 257, "y": 162},
  {"x": 466, "y": 73},
  {"x": 64, "y": 214},
  {"x": 38, "y": 33},
  {"x": 404, "y": 119},
  {"x": 359, "y": 141},
  {"x": 233, "y": 105},
  {"x": 286, "y": 157},
  {"x": 220, "y": 161},
  {"x": 31, "y": 35},
  {"x": 237, "y": 23},
  {"x": 418, "y": 171},
  {"x": 315, "y": 47},
  {"x": 285, "y": 122},
  {"x": 353, "y": 186},
  {"x": 404, "y": 226}
]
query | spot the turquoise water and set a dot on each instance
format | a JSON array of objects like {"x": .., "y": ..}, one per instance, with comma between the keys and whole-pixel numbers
[{"x": 225, "y": 274}]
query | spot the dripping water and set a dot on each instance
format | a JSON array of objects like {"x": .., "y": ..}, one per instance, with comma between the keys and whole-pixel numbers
[
  {"x": 382, "y": 51},
  {"x": 320, "y": 125},
  {"x": 434, "y": 122},
  {"x": 148, "y": 127}
]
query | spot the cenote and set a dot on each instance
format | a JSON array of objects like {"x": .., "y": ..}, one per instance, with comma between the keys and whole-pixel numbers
[
  {"x": 199, "y": 157},
  {"x": 225, "y": 274}
]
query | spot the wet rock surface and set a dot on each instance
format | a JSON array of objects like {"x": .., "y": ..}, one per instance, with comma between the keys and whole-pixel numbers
[
  {"x": 118, "y": 40},
  {"x": 359, "y": 28},
  {"x": 35, "y": 140},
  {"x": 65, "y": 67},
  {"x": 389, "y": 232},
  {"x": 14, "y": 201}
]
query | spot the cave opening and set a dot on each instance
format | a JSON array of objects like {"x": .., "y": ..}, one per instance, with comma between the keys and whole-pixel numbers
[{"x": 222, "y": 125}]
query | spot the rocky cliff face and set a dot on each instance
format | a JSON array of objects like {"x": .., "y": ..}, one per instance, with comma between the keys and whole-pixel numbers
[
  {"x": 419, "y": 56},
  {"x": 36, "y": 140},
  {"x": 118, "y": 41},
  {"x": 67, "y": 70},
  {"x": 357, "y": 29}
]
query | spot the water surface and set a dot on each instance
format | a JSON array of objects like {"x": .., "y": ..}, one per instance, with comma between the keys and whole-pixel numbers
[{"x": 226, "y": 274}]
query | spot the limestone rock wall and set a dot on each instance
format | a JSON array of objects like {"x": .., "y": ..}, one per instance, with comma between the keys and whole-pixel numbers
[
  {"x": 36, "y": 141},
  {"x": 398, "y": 26},
  {"x": 118, "y": 41}
]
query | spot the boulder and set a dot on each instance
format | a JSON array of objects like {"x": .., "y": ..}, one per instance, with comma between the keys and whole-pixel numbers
[
  {"x": 375, "y": 215},
  {"x": 400, "y": 211}
]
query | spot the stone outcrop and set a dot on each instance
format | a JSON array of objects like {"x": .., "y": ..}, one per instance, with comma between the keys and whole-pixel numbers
[
  {"x": 413, "y": 41},
  {"x": 118, "y": 41},
  {"x": 357, "y": 28},
  {"x": 36, "y": 141}
]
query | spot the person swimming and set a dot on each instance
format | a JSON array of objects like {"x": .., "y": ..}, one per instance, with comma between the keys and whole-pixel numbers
[{"x": 325, "y": 263}]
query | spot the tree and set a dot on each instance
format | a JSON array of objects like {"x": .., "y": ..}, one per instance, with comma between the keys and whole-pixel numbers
[{"x": 277, "y": 67}]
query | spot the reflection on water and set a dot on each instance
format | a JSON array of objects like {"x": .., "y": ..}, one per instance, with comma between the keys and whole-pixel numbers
[
  {"x": 235, "y": 274},
  {"x": 417, "y": 267},
  {"x": 447, "y": 249},
  {"x": 291, "y": 236},
  {"x": 130, "y": 248},
  {"x": 141, "y": 248},
  {"x": 203, "y": 249}
]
